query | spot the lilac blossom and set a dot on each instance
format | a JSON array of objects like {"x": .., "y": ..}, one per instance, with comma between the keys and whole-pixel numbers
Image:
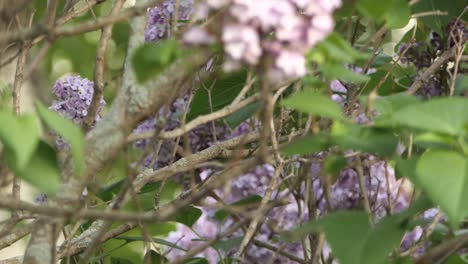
[
  {"x": 380, "y": 185},
  {"x": 199, "y": 138},
  {"x": 193, "y": 237},
  {"x": 41, "y": 198},
  {"x": 416, "y": 235},
  {"x": 74, "y": 96},
  {"x": 251, "y": 28},
  {"x": 160, "y": 18}
]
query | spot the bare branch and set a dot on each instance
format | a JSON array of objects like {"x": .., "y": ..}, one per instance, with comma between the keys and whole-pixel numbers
[{"x": 99, "y": 69}]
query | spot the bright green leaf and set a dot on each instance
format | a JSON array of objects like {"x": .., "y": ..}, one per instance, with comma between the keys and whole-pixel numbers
[
  {"x": 42, "y": 170},
  {"x": 314, "y": 103},
  {"x": 373, "y": 10},
  {"x": 338, "y": 49},
  {"x": 363, "y": 138},
  {"x": 434, "y": 140},
  {"x": 306, "y": 145},
  {"x": 20, "y": 136},
  {"x": 444, "y": 115},
  {"x": 197, "y": 261},
  {"x": 388, "y": 105},
  {"x": 398, "y": 14},
  {"x": 69, "y": 131},
  {"x": 334, "y": 70},
  {"x": 385, "y": 237},
  {"x": 115, "y": 260},
  {"x": 334, "y": 164},
  {"x": 443, "y": 175}
]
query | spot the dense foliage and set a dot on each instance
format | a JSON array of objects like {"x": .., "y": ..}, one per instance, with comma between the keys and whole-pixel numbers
[{"x": 235, "y": 131}]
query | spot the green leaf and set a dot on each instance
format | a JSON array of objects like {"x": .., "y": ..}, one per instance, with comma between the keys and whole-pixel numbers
[
  {"x": 444, "y": 115},
  {"x": 385, "y": 237},
  {"x": 461, "y": 84},
  {"x": 398, "y": 14},
  {"x": 41, "y": 171},
  {"x": 367, "y": 139},
  {"x": 250, "y": 200},
  {"x": 338, "y": 49},
  {"x": 334, "y": 164},
  {"x": 456, "y": 259},
  {"x": 406, "y": 168},
  {"x": 337, "y": 71},
  {"x": 434, "y": 140},
  {"x": 306, "y": 145},
  {"x": 223, "y": 91},
  {"x": 150, "y": 59},
  {"x": 342, "y": 230},
  {"x": 120, "y": 261},
  {"x": 314, "y": 103},
  {"x": 69, "y": 131},
  {"x": 156, "y": 240},
  {"x": 156, "y": 258},
  {"x": 187, "y": 215},
  {"x": 197, "y": 261},
  {"x": 437, "y": 23},
  {"x": 227, "y": 245},
  {"x": 121, "y": 250},
  {"x": 443, "y": 175},
  {"x": 20, "y": 136},
  {"x": 243, "y": 114},
  {"x": 373, "y": 10},
  {"x": 353, "y": 240},
  {"x": 388, "y": 105}
]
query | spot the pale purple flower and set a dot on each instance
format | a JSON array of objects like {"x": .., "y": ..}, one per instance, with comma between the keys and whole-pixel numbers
[
  {"x": 198, "y": 36},
  {"x": 281, "y": 31},
  {"x": 41, "y": 198},
  {"x": 242, "y": 43},
  {"x": 158, "y": 25},
  {"x": 190, "y": 238},
  {"x": 291, "y": 63},
  {"x": 74, "y": 96}
]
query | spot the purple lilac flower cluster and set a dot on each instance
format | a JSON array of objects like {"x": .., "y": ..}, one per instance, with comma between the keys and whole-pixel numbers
[
  {"x": 199, "y": 138},
  {"x": 254, "y": 182},
  {"x": 279, "y": 31},
  {"x": 160, "y": 18},
  {"x": 74, "y": 96},
  {"x": 380, "y": 185},
  {"x": 411, "y": 239}
]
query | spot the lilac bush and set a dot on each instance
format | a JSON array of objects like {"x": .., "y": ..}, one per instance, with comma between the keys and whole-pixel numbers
[{"x": 356, "y": 146}]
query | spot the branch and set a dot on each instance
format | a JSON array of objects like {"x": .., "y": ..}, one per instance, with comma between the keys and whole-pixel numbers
[
  {"x": 197, "y": 121},
  {"x": 444, "y": 250},
  {"x": 22, "y": 35},
  {"x": 106, "y": 35},
  {"x": 448, "y": 54}
]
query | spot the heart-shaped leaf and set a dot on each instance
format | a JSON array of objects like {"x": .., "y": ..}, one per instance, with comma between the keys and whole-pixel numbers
[{"x": 443, "y": 175}]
